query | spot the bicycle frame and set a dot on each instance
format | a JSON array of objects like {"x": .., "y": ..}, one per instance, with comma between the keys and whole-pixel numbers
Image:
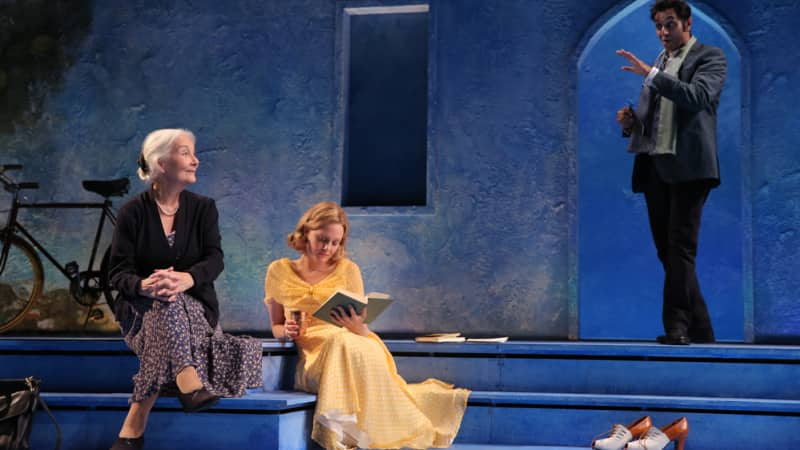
[
  {"x": 13, "y": 226},
  {"x": 8, "y": 230}
]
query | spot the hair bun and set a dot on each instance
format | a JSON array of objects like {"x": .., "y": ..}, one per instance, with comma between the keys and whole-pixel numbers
[{"x": 143, "y": 163}]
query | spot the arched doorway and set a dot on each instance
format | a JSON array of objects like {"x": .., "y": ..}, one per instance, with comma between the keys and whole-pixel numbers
[{"x": 619, "y": 277}]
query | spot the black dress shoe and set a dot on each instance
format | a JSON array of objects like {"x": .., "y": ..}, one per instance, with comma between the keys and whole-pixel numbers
[
  {"x": 128, "y": 443},
  {"x": 673, "y": 339},
  {"x": 198, "y": 400}
]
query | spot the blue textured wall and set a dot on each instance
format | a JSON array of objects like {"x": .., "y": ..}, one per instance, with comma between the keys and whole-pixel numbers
[
  {"x": 496, "y": 251},
  {"x": 775, "y": 163}
]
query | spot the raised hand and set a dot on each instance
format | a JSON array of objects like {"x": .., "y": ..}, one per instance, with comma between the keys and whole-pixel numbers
[{"x": 637, "y": 66}]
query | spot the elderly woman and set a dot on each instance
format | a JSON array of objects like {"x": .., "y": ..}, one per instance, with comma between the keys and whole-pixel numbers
[
  {"x": 361, "y": 399},
  {"x": 165, "y": 256}
]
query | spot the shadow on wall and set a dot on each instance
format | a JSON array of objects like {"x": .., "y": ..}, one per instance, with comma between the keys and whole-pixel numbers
[{"x": 35, "y": 39}]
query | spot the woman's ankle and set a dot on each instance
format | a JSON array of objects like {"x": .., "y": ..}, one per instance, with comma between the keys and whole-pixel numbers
[
  {"x": 136, "y": 420},
  {"x": 188, "y": 381},
  {"x": 128, "y": 432}
]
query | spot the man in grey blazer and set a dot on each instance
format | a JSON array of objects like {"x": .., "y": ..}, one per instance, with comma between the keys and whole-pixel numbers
[{"x": 673, "y": 132}]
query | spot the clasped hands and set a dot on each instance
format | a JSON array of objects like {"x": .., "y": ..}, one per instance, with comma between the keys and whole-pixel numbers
[{"x": 166, "y": 284}]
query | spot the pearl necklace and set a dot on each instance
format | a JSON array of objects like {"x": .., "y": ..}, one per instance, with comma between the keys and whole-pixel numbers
[{"x": 163, "y": 210}]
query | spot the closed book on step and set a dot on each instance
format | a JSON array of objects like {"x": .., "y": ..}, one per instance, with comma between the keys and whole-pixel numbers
[
  {"x": 499, "y": 339},
  {"x": 441, "y": 337}
]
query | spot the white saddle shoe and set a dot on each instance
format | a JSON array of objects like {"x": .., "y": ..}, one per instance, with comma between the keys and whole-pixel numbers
[
  {"x": 621, "y": 435},
  {"x": 654, "y": 439}
]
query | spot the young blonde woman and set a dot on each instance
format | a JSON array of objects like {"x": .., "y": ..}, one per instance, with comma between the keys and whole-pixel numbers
[{"x": 361, "y": 399}]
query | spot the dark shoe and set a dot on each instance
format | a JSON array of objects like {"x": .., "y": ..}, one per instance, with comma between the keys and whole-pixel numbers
[
  {"x": 198, "y": 400},
  {"x": 128, "y": 443},
  {"x": 673, "y": 339}
]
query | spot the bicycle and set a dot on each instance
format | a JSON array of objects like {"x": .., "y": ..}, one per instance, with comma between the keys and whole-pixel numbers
[{"x": 21, "y": 271}]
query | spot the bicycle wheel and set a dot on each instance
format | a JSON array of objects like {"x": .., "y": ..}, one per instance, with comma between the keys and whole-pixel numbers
[
  {"x": 109, "y": 291},
  {"x": 20, "y": 282}
]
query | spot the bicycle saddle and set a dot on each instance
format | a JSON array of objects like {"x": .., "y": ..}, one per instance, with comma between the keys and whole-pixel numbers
[{"x": 109, "y": 188}]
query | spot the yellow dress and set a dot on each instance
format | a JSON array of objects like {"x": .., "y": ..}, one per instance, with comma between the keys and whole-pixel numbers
[{"x": 361, "y": 399}]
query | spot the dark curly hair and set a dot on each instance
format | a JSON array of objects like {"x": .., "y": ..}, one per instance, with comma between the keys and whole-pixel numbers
[{"x": 682, "y": 9}]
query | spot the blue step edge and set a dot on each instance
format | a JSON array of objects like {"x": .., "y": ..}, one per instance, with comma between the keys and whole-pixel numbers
[
  {"x": 643, "y": 402},
  {"x": 610, "y": 350},
  {"x": 510, "y": 447},
  {"x": 101, "y": 345},
  {"x": 270, "y": 402},
  {"x": 276, "y": 401}
]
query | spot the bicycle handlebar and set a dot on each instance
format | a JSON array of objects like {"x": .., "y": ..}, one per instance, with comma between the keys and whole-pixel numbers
[
  {"x": 12, "y": 186},
  {"x": 4, "y": 167}
]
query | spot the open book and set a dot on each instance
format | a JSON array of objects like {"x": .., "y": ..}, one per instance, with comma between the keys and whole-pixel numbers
[{"x": 376, "y": 301}]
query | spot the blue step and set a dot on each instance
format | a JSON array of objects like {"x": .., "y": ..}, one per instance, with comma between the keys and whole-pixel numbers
[
  {"x": 638, "y": 402},
  {"x": 520, "y": 418},
  {"x": 107, "y": 365},
  {"x": 259, "y": 420},
  {"x": 526, "y": 394},
  {"x": 493, "y": 418},
  {"x": 253, "y": 402},
  {"x": 631, "y": 368},
  {"x": 747, "y": 371},
  {"x": 575, "y": 426}
]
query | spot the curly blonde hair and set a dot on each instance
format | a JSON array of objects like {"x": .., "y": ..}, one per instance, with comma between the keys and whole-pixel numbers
[{"x": 317, "y": 217}]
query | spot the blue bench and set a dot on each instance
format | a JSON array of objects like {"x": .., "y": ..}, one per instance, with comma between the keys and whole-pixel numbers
[{"x": 526, "y": 395}]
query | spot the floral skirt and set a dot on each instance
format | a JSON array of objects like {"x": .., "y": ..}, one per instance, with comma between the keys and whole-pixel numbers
[{"x": 168, "y": 336}]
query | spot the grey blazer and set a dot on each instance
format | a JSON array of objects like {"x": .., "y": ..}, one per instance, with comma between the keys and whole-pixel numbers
[{"x": 696, "y": 94}]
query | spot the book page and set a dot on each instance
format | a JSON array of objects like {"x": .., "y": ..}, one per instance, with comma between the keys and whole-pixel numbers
[{"x": 345, "y": 299}]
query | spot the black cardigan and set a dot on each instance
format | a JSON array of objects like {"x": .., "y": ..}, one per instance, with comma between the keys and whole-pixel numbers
[{"x": 140, "y": 247}]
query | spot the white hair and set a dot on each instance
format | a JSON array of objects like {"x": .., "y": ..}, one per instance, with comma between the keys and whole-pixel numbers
[{"x": 156, "y": 146}]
